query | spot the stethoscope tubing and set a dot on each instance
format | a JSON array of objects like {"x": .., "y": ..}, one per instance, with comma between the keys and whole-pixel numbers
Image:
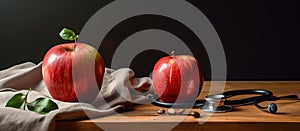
[{"x": 264, "y": 95}]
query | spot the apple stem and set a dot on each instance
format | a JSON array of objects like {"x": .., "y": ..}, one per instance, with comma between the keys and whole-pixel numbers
[
  {"x": 173, "y": 54},
  {"x": 75, "y": 41},
  {"x": 68, "y": 34},
  {"x": 26, "y": 98}
]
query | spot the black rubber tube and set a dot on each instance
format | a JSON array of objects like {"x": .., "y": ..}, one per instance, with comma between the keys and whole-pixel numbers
[{"x": 227, "y": 94}]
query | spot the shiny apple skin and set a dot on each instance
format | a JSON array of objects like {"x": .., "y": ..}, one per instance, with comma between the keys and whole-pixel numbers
[
  {"x": 177, "y": 79},
  {"x": 62, "y": 63}
]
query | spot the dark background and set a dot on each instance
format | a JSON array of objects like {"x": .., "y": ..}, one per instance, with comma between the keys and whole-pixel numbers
[{"x": 260, "y": 37}]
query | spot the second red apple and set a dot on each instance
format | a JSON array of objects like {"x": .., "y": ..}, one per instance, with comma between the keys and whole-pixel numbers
[{"x": 177, "y": 78}]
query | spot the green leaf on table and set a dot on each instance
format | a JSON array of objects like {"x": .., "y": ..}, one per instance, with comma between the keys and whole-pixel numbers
[
  {"x": 68, "y": 34},
  {"x": 17, "y": 101},
  {"x": 42, "y": 105}
]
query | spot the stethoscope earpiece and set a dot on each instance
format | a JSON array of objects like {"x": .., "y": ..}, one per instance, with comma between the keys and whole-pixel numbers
[{"x": 272, "y": 108}]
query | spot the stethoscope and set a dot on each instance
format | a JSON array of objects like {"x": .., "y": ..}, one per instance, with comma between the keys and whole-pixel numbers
[{"x": 219, "y": 102}]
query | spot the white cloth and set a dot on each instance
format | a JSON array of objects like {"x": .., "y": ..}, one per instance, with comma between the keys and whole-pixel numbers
[{"x": 119, "y": 87}]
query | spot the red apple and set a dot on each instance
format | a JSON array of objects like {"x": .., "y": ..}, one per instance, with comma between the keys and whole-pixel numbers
[
  {"x": 177, "y": 78},
  {"x": 73, "y": 72}
]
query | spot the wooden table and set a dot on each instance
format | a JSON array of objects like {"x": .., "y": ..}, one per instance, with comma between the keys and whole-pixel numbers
[{"x": 243, "y": 118}]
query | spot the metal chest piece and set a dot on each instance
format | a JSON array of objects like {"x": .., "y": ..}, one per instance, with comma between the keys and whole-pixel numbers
[{"x": 215, "y": 103}]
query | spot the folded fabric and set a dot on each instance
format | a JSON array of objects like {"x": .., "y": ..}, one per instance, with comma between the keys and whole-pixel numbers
[{"x": 119, "y": 87}]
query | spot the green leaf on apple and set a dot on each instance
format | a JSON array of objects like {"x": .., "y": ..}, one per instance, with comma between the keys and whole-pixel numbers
[
  {"x": 42, "y": 105},
  {"x": 68, "y": 34},
  {"x": 17, "y": 101}
]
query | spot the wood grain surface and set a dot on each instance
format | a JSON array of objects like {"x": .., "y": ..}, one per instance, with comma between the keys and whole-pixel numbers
[{"x": 243, "y": 118}]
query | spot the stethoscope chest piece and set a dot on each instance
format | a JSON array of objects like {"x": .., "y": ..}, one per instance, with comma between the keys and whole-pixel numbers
[{"x": 215, "y": 103}]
